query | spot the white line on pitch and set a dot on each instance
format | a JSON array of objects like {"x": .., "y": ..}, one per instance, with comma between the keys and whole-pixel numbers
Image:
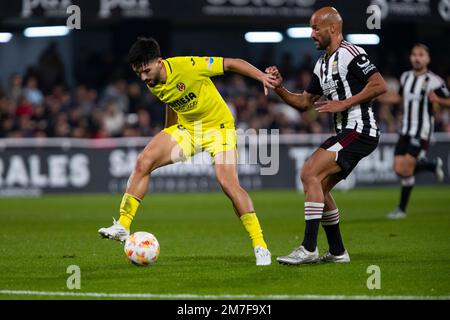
[{"x": 215, "y": 296}]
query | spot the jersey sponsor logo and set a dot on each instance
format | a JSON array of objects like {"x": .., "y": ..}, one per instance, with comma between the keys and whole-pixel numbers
[
  {"x": 329, "y": 87},
  {"x": 185, "y": 103},
  {"x": 412, "y": 96},
  {"x": 209, "y": 61},
  {"x": 181, "y": 86}
]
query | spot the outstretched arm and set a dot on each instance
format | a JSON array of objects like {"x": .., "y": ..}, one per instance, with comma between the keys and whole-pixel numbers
[
  {"x": 246, "y": 69},
  {"x": 300, "y": 101}
]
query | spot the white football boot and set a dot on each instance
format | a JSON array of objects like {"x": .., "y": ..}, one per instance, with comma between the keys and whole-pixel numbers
[
  {"x": 300, "y": 256},
  {"x": 439, "y": 172},
  {"x": 115, "y": 232},
  {"x": 328, "y": 257},
  {"x": 396, "y": 214},
  {"x": 263, "y": 256}
]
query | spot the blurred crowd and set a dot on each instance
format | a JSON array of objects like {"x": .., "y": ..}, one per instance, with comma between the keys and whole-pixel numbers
[{"x": 39, "y": 103}]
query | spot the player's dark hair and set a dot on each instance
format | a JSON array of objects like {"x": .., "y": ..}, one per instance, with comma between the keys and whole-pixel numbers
[
  {"x": 143, "y": 51},
  {"x": 421, "y": 45}
]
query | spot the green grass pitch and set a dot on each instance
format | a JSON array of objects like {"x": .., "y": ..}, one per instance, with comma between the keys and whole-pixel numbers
[{"x": 206, "y": 251}]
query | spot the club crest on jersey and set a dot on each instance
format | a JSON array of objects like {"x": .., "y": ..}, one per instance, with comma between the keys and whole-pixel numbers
[
  {"x": 209, "y": 61},
  {"x": 334, "y": 67},
  {"x": 181, "y": 86}
]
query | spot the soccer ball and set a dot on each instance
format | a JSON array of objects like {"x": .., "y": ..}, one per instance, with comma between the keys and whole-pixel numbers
[{"x": 142, "y": 248}]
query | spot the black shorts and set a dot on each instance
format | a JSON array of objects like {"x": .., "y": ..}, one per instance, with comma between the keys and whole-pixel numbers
[
  {"x": 350, "y": 146},
  {"x": 412, "y": 146}
]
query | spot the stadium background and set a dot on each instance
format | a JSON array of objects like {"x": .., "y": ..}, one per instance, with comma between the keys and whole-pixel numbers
[{"x": 79, "y": 86}]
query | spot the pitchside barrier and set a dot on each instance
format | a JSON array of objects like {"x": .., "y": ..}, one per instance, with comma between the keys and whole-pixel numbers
[{"x": 32, "y": 167}]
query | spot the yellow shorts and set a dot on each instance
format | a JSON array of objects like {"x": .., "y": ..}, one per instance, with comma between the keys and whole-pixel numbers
[{"x": 210, "y": 139}]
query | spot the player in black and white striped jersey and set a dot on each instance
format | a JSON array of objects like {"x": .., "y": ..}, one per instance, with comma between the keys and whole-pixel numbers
[
  {"x": 419, "y": 89},
  {"x": 348, "y": 81},
  {"x": 340, "y": 76}
]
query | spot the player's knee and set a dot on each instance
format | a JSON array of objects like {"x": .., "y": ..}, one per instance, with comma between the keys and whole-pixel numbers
[
  {"x": 408, "y": 171},
  {"x": 144, "y": 164},
  {"x": 399, "y": 167},
  {"x": 307, "y": 176},
  {"x": 228, "y": 186},
  {"x": 403, "y": 169},
  {"x": 404, "y": 172},
  {"x": 398, "y": 170}
]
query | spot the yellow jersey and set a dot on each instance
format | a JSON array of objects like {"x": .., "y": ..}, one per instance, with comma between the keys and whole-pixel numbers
[{"x": 190, "y": 92}]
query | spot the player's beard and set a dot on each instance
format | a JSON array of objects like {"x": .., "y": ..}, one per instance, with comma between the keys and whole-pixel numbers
[
  {"x": 151, "y": 83},
  {"x": 417, "y": 66},
  {"x": 156, "y": 80},
  {"x": 324, "y": 43}
]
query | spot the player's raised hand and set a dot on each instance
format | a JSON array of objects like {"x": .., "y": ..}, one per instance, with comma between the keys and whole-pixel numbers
[
  {"x": 330, "y": 106},
  {"x": 271, "y": 69},
  {"x": 269, "y": 81},
  {"x": 278, "y": 78}
]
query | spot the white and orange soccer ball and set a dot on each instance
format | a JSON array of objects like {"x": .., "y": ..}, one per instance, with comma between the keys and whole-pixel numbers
[{"x": 142, "y": 248}]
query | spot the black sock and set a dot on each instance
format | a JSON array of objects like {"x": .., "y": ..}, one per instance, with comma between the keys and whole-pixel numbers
[
  {"x": 311, "y": 232},
  {"x": 404, "y": 198},
  {"x": 334, "y": 239},
  {"x": 425, "y": 165}
]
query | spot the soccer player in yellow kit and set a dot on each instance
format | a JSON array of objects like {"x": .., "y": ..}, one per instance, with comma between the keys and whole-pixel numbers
[{"x": 197, "y": 119}]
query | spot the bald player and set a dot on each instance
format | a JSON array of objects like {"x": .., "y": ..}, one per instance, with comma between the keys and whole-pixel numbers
[{"x": 347, "y": 81}]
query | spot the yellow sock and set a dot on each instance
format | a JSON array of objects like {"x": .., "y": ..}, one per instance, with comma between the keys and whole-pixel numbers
[
  {"x": 128, "y": 208},
  {"x": 251, "y": 224}
]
